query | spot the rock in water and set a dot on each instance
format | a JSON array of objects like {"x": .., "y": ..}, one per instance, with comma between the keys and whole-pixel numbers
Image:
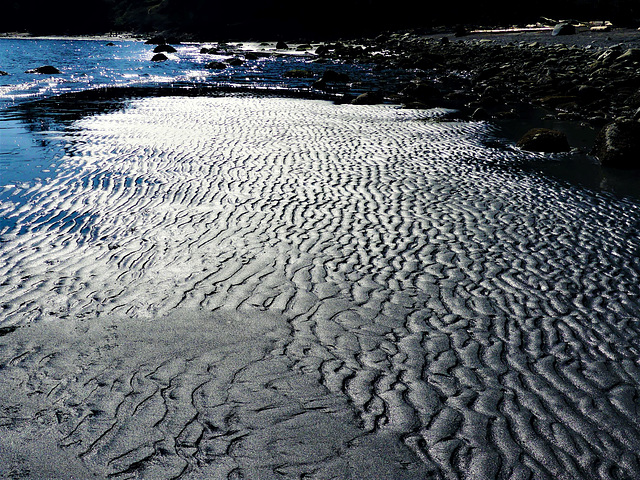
[
  {"x": 164, "y": 49},
  {"x": 544, "y": 140},
  {"x": 368, "y": 98},
  {"x": 618, "y": 144},
  {"x": 45, "y": 70},
  {"x": 2, "y": 73},
  {"x": 159, "y": 57},
  {"x": 335, "y": 77},
  {"x": 281, "y": 46},
  {"x": 563, "y": 29},
  {"x": 215, "y": 66}
]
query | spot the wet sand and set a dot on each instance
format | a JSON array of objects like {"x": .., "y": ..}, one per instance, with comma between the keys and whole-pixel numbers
[{"x": 280, "y": 288}]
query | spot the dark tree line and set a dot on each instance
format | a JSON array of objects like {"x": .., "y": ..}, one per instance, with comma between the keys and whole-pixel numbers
[{"x": 272, "y": 18}]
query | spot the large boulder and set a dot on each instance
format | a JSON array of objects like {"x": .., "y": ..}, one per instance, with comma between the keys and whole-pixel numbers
[
  {"x": 159, "y": 57},
  {"x": 618, "y": 144},
  {"x": 44, "y": 70},
  {"x": 544, "y": 140},
  {"x": 422, "y": 92},
  {"x": 368, "y": 98},
  {"x": 335, "y": 77},
  {"x": 164, "y": 49},
  {"x": 281, "y": 46},
  {"x": 563, "y": 29}
]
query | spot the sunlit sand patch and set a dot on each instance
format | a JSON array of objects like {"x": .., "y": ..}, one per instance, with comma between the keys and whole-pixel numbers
[{"x": 266, "y": 287}]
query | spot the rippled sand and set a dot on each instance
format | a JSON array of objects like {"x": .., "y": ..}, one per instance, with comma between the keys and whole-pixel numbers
[{"x": 273, "y": 288}]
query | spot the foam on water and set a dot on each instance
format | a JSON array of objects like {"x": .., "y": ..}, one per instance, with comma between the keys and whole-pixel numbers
[{"x": 465, "y": 318}]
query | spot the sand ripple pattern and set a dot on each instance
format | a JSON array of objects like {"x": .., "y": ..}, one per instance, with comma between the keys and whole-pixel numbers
[{"x": 478, "y": 321}]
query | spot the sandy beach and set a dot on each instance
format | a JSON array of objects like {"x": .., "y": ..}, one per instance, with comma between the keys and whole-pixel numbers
[{"x": 237, "y": 287}]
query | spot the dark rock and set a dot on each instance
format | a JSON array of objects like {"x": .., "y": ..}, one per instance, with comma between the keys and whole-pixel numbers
[
  {"x": 368, "y": 98},
  {"x": 631, "y": 55},
  {"x": 563, "y": 29},
  {"x": 204, "y": 50},
  {"x": 2, "y": 74},
  {"x": 555, "y": 101},
  {"x": 235, "y": 62},
  {"x": 215, "y": 66},
  {"x": 480, "y": 114},
  {"x": 281, "y": 46},
  {"x": 111, "y": 44},
  {"x": 250, "y": 56},
  {"x": 487, "y": 73},
  {"x": 618, "y": 144},
  {"x": 335, "y": 77},
  {"x": 164, "y": 49},
  {"x": 303, "y": 47},
  {"x": 159, "y": 57},
  {"x": 7, "y": 330},
  {"x": 444, "y": 40},
  {"x": 322, "y": 50},
  {"x": 45, "y": 70},
  {"x": 544, "y": 140},
  {"x": 587, "y": 93},
  {"x": 422, "y": 92}
]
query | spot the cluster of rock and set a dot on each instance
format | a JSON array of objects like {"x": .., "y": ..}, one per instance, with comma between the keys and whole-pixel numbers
[{"x": 487, "y": 79}]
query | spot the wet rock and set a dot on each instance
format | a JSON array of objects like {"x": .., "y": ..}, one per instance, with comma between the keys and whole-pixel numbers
[
  {"x": 7, "y": 330},
  {"x": 335, "y": 77},
  {"x": 159, "y": 57},
  {"x": 422, "y": 92},
  {"x": 544, "y": 140},
  {"x": 215, "y": 66},
  {"x": 631, "y": 55},
  {"x": 164, "y": 49},
  {"x": 322, "y": 50},
  {"x": 558, "y": 101},
  {"x": 235, "y": 62},
  {"x": 282, "y": 46},
  {"x": 110, "y": 44},
  {"x": 587, "y": 93},
  {"x": 618, "y": 144},
  {"x": 204, "y": 50},
  {"x": 368, "y": 98},
  {"x": 250, "y": 56},
  {"x": 480, "y": 114},
  {"x": 563, "y": 29},
  {"x": 2, "y": 73},
  {"x": 44, "y": 70}
]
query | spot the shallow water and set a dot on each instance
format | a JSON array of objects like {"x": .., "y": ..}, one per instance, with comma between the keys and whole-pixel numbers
[{"x": 419, "y": 305}]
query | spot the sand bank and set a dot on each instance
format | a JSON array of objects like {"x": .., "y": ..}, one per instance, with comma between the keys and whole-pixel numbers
[{"x": 272, "y": 288}]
